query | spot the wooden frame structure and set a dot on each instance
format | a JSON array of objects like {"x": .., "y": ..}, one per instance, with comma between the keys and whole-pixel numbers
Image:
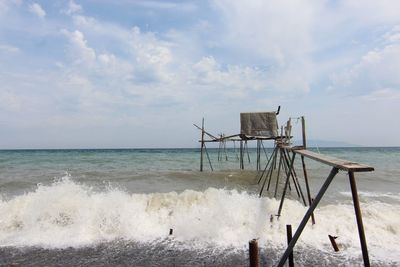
[
  {"x": 281, "y": 153},
  {"x": 336, "y": 164}
]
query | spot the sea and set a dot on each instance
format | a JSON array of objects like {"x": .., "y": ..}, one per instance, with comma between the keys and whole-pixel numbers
[{"x": 153, "y": 207}]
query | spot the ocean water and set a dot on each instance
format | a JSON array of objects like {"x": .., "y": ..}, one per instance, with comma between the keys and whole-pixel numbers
[{"x": 116, "y": 208}]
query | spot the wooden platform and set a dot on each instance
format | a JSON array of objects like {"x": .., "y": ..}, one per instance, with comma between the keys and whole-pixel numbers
[{"x": 341, "y": 164}]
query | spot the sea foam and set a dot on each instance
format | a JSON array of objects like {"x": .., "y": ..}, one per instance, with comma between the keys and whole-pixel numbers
[{"x": 69, "y": 214}]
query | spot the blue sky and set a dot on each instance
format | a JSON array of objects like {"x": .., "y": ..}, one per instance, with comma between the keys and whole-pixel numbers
[{"x": 102, "y": 73}]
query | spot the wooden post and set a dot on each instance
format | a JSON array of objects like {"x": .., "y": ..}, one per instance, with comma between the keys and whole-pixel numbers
[
  {"x": 202, "y": 145},
  {"x": 258, "y": 155},
  {"x": 247, "y": 150},
  {"x": 278, "y": 175},
  {"x": 286, "y": 185},
  {"x": 333, "y": 242},
  {"x": 253, "y": 253},
  {"x": 303, "y": 129},
  {"x": 266, "y": 166},
  {"x": 241, "y": 155},
  {"x": 360, "y": 226},
  {"x": 289, "y": 238},
  {"x": 208, "y": 157}
]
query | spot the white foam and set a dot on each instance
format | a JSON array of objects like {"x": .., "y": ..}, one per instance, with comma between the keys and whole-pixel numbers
[
  {"x": 366, "y": 194},
  {"x": 70, "y": 214}
]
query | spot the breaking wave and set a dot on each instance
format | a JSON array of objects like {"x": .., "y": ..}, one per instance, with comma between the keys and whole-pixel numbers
[{"x": 69, "y": 214}]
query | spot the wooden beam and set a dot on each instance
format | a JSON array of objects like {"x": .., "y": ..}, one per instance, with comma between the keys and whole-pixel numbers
[{"x": 341, "y": 164}]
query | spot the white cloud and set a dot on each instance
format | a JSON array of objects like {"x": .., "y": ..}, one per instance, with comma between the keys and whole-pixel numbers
[
  {"x": 36, "y": 9},
  {"x": 78, "y": 48},
  {"x": 383, "y": 94},
  {"x": 163, "y": 5},
  {"x": 73, "y": 8},
  {"x": 8, "y": 5},
  {"x": 10, "y": 101},
  {"x": 377, "y": 70},
  {"x": 277, "y": 35},
  {"x": 258, "y": 26},
  {"x": 8, "y": 48}
]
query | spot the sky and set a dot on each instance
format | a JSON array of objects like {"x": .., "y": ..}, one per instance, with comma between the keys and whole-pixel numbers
[{"x": 136, "y": 73}]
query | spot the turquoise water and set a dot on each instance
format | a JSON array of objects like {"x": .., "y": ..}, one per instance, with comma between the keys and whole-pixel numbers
[{"x": 92, "y": 200}]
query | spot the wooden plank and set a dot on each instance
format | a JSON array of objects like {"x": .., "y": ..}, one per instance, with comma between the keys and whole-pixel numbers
[{"x": 341, "y": 164}]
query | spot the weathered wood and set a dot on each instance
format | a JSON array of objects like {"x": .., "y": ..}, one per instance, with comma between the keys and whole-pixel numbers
[
  {"x": 307, "y": 216},
  {"x": 360, "y": 225},
  {"x": 341, "y": 164},
  {"x": 303, "y": 131},
  {"x": 253, "y": 253},
  {"x": 202, "y": 145},
  {"x": 202, "y": 129},
  {"x": 289, "y": 238},
  {"x": 333, "y": 242},
  {"x": 307, "y": 187}
]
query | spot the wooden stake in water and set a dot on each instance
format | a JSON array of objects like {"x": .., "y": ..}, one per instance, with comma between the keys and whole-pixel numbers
[
  {"x": 253, "y": 253},
  {"x": 333, "y": 242},
  {"x": 289, "y": 238}
]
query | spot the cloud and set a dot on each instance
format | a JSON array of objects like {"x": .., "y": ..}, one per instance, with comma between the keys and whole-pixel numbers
[
  {"x": 36, "y": 9},
  {"x": 10, "y": 102},
  {"x": 383, "y": 94},
  {"x": 257, "y": 29},
  {"x": 73, "y": 8},
  {"x": 166, "y": 5},
  {"x": 78, "y": 48},
  {"x": 8, "y": 48},
  {"x": 376, "y": 71}
]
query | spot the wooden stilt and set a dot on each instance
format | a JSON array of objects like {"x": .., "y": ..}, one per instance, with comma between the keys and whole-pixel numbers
[
  {"x": 226, "y": 155},
  {"x": 270, "y": 174},
  {"x": 289, "y": 238},
  {"x": 307, "y": 187},
  {"x": 333, "y": 242},
  {"x": 202, "y": 145},
  {"x": 296, "y": 181},
  {"x": 265, "y": 151},
  {"x": 208, "y": 157},
  {"x": 289, "y": 170},
  {"x": 247, "y": 150},
  {"x": 286, "y": 185},
  {"x": 258, "y": 150},
  {"x": 266, "y": 166},
  {"x": 278, "y": 175},
  {"x": 360, "y": 225},
  {"x": 253, "y": 253},
  {"x": 241, "y": 155}
]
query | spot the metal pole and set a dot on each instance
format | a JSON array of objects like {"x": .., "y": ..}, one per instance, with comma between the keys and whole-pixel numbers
[
  {"x": 307, "y": 216},
  {"x": 360, "y": 226}
]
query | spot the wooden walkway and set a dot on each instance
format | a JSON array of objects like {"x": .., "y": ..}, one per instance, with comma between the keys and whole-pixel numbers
[
  {"x": 336, "y": 164},
  {"x": 341, "y": 164}
]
